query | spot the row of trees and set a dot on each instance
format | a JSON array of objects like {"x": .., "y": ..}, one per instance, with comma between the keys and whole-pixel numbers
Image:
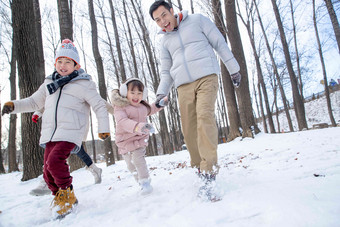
[{"x": 124, "y": 45}]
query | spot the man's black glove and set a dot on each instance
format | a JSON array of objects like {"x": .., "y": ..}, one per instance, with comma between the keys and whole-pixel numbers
[{"x": 236, "y": 78}]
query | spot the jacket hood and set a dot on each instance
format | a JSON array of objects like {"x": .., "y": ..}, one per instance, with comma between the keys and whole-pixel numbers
[
  {"x": 82, "y": 75},
  {"x": 180, "y": 17},
  {"x": 118, "y": 100}
]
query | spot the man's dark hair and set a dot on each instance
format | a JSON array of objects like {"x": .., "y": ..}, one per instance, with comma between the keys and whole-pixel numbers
[{"x": 157, "y": 4}]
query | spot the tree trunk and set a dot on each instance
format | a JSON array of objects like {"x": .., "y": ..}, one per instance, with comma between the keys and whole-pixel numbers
[
  {"x": 2, "y": 168},
  {"x": 300, "y": 83},
  {"x": 329, "y": 105},
  {"x": 119, "y": 50},
  {"x": 101, "y": 78},
  {"x": 264, "y": 121},
  {"x": 24, "y": 30},
  {"x": 334, "y": 20},
  {"x": 131, "y": 45},
  {"x": 229, "y": 93},
  {"x": 65, "y": 20},
  {"x": 180, "y": 5},
  {"x": 192, "y": 7},
  {"x": 298, "y": 102},
  {"x": 282, "y": 92},
  {"x": 12, "y": 148},
  {"x": 243, "y": 94}
]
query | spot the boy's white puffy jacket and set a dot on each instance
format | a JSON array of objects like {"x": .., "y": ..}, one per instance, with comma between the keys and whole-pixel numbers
[
  {"x": 66, "y": 112},
  {"x": 187, "y": 54}
]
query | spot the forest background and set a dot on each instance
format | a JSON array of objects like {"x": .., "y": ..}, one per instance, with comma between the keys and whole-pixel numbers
[{"x": 289, "y": 51}]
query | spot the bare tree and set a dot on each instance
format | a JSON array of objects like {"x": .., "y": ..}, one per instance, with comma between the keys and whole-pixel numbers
[
  {"x": 131, "y": 45},
  {"x": 101, "y": 77},
  {"x": 282, "y": 92},
  {"x": 12, "y": 164},
  {"x": 329, "y": 105},
  {"x": 334, "y": 20},
  {"x": 119, "y": 50},
  {"x": 298, "y": 102},
  {"x": 25, "y": 36},
  {"x": 229, "y": 93},
  {"x": 300, "y": 83},
  {"x": 243, "y": 93},
  {"x": 192, "y": 7},
  {"x": 65, "y": 19},
  {"x": 2, "y": 169},
  {"x": 249, "y": 24}
]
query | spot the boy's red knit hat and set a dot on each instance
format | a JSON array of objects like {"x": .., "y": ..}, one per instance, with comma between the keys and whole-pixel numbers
[{"x": 67, "y": 50}]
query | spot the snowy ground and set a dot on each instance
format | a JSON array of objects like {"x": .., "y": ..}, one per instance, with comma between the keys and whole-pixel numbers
[
  {"x": 288, "y": 179},
  {"x": 285, "y": 179}
]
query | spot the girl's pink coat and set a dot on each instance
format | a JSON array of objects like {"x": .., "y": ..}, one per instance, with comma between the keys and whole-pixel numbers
[{"x": 127, "y": 117}]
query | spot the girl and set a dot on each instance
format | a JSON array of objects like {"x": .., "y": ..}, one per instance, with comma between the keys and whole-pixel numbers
[{"x": 132, "y": 130}]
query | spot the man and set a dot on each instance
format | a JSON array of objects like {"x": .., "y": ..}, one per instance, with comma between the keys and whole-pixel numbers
[{"x": 189, "y": 63}]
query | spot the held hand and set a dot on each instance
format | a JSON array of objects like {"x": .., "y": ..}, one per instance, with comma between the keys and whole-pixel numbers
[
  {"x": 236, "y": 78},
  {"x": 164, "y": 101},
  {"x": 35, "y": 118},
  {"x": 8, "y": 108},
  {"x": 158, "y": 99},
  {"x": 104, "y": 135}
]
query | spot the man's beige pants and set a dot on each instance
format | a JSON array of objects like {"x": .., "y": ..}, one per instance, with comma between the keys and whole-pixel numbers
[
  {"x": 197, "y": 107},
  {"x": 136, "y": 164}
]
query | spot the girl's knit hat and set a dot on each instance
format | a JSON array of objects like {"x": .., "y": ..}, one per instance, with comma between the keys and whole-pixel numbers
[{"x": 67, "y": 50}]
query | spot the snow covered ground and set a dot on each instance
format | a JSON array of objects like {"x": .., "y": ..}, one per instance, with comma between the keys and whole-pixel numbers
[
  {"x": 285, "y": 179},
  {"x": 289, "y": 179}
]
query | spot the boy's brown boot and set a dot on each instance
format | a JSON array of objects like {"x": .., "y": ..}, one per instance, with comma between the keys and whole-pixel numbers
[{"x": 65, "y": 200}]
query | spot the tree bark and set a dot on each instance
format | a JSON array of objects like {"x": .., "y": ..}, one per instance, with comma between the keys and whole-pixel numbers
[
  {"x": 334, "y": 20},
  {"x": 243, "y": 94},
  {"x": 25, "y": 35},
  {"x": 329, "y": 105},
  {"x": 298, "y": 102},
  {"x": 101, "y": 78},
  {"x": 65, "y": 20}
]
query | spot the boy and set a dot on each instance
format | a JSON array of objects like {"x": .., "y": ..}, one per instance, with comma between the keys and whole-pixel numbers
[{"x": 66, "y": 97}]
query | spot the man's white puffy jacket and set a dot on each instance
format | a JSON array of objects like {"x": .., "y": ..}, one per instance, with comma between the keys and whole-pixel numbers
[
  {"x": 66, "y": 112},
  {"x": 187, "y": 53}
]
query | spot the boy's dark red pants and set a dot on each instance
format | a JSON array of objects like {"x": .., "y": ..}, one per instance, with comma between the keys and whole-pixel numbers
[{"x": 56, "y": 170}]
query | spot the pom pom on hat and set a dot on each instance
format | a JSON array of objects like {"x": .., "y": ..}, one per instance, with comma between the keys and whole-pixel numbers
[{"x": 67, "y": 50}]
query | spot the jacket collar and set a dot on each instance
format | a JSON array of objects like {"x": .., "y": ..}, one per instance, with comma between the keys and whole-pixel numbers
[{"x": 82, "y": 75}]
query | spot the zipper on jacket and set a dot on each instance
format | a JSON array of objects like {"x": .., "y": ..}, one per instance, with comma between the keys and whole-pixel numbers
[
  {"x": 184, "y": 60},
  {"x": 56, "y": 115}
]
